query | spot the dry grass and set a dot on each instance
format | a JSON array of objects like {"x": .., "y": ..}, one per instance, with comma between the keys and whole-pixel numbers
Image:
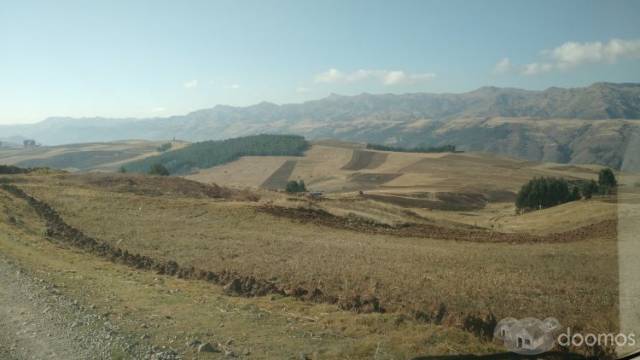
[
  {"x": 172, "y": 312},
  {"x": 96, "y": 153},
  {"x": 575, "y": 282}
]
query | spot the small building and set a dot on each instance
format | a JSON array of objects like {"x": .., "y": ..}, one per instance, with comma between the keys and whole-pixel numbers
[{"x": 528, "y": 335}]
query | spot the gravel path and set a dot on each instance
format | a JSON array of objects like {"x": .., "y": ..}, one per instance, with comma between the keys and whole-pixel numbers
[{"x": 38, "y": 322}]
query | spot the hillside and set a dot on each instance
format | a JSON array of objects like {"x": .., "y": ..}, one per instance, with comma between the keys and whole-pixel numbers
[
  {"x": 386, "y": 266},
  {"x": 211, "y": 153},
  {"x": 596, "y": 124},
  {"x": 107, "y": 156}
]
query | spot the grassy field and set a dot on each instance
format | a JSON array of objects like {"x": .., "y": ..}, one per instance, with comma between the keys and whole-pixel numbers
[
  {"x": 406, "y": 274},
  {"x": 335, "y": 168},
  {"x": 84, "y": 157},
  {"x": 367, "y": 245},
  {"x": 168, "y": 312}
]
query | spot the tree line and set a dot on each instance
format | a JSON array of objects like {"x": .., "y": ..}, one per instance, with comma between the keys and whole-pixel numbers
[
  {"x": 545, "y": 192},
  {"x": 212, "y": 153},
  {"x": 418, "y": 149}
]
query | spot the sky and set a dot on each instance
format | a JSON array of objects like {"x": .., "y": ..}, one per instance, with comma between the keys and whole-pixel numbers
[{"x": 160, "y": 58}]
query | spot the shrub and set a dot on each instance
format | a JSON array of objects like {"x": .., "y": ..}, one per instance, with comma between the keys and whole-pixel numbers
[
  {"x": 158, "y": 169},
  {"x": 10, "y": 169},
  {"x": 296, "y": 186},
  {"x": 164, "y": 147}
]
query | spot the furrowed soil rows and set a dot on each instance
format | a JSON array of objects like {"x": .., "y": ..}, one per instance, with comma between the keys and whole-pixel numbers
[
  {"x": 362, "y": 159},
  {"x": 606, "y": 228},
  {"x": 278, "y": 180}
]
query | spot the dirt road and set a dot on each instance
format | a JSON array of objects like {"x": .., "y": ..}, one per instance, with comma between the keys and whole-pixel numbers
[{"x": 37, "y": 322}]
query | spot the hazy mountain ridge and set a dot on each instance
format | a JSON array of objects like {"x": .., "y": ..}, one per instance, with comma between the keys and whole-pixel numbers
[{"x": 581, "y": 125}]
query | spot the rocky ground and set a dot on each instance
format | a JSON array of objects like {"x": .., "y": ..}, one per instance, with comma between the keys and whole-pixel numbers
[{"x": 38, "y": 322}]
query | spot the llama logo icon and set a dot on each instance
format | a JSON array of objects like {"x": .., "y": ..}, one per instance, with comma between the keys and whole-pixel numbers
[{"x": 528, "y": 336}]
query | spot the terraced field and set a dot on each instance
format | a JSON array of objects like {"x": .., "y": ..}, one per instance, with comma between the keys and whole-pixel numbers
[
  {"x": 84, "y": 157},
  {"x": 431, "y": 239}
]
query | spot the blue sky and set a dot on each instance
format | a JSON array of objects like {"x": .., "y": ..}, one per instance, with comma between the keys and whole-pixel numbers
[{"x": 158, "y": 58}]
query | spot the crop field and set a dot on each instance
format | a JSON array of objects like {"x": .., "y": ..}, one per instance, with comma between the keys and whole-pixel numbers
[{"x": 84, "y": 157}]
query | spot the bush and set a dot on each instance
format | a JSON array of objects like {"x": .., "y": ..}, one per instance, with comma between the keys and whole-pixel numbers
[
  {"x": 158, "y": 169},
  {"x": 296, "y": 186},
  {"x": 164, "y": 147},
  {"x": 541, "y": 193},
  {"x": 10, "y": 169}
]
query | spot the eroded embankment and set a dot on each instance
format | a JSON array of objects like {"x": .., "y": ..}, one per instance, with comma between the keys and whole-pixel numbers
[
  {"x": 605, "y": 228},
  {"x": 235, "y": 284}
]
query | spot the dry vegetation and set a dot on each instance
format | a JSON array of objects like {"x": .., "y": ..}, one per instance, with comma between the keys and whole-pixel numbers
[
  {"x": 165, "y": 311},
  {"x": 407, "y": 274},
  {"x": 433, "y": 238}
]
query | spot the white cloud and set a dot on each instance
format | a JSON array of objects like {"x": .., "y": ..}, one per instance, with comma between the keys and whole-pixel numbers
[
  {"x": 158, "y": 109},
  {"x": 330, "y": 76},
  {"x": 302, "y": 90},
  {"x": 386, "y": 77},
  {"x": 537, "y": 68},
  {"x": 234, "y": 86},
  {"x": 190, "y": 84},
  {"x": 573, "y": 54},
  {"x": 503, "y": 66}
]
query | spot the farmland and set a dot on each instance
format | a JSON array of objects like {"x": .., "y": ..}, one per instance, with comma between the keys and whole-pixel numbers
[{"x": 429, "y": 238}]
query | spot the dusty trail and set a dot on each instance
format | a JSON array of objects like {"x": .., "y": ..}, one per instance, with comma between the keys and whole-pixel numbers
[{"x": 37, "y": 322}]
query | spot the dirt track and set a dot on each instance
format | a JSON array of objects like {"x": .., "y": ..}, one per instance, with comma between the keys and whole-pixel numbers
[{"x": 37, "y": 322}]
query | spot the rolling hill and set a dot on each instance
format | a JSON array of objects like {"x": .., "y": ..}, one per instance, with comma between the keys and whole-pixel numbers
[{"x": 596, "y": 124}]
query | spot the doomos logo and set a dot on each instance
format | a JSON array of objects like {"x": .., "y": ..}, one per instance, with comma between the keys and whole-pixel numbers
[{"x": 528, "y": 336}]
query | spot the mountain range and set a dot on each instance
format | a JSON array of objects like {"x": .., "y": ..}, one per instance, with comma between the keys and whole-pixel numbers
[{"x": 596, "y": 124}]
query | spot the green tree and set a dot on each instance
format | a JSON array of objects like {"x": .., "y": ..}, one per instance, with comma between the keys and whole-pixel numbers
[
  {"x": 122, "y": 169},
  {"x": 158, "y": 169},
  {"x": 207, "y": 154},
  {"x": 295, "y": 186},
  {"x": 607, "y": 181},
  {"x": 541, "y": 193},
  {"x": 575, "y": 194},
  {"x": 589, "y": 188}
]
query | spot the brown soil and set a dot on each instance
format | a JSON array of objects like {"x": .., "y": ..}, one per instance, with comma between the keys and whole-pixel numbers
[
  {"x": 362, "y": 159},
  {"x": 372, "y": 180},
  {"x": 159, "y": 186},
  {"x": 278, "y": 180},
  {"x": 605, "y": 228},
  {"x": 445, "y": 201}
]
